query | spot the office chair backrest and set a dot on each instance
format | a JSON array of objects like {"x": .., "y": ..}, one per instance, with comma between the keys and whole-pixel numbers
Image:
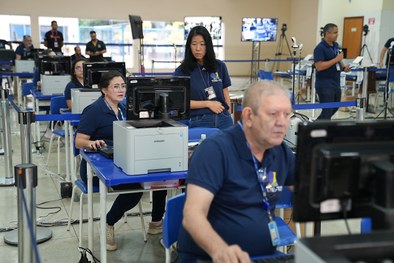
[
  {"x": 173, "y": 219},
  {"x": 267, "y": 75},
  {"x": 57, "y": 103},
  {"x": 26, "y": 87},
  {"x": 195, "y": 133}
]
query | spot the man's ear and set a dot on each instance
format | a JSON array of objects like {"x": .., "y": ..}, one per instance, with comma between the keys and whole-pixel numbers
[{"x": 247, "y": 116}]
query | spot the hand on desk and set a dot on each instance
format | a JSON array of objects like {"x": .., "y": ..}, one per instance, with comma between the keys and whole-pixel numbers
[{"x": 95, "y": 145}]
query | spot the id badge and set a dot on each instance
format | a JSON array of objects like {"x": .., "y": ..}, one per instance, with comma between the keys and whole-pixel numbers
[
  {"x": 55, "y": 44},
  {"x": 338, "y": 67},
  {"x": 274, "y": 233},
  {"x": 210, "y": 93}
]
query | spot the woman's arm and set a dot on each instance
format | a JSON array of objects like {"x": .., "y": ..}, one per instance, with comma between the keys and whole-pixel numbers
[{"x": 83, "y": 140}]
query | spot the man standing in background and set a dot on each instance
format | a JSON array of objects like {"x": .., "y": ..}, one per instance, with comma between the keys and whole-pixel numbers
[
  {"x": 95, "y": 48},
  {"x": 386, "y": 47},
  {"x": 328, "y": 62},
  {"x": 54, "y": 39}
]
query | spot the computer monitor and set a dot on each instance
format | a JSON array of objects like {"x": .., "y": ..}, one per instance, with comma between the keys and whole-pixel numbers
[
  {"x": 158, "y": 98},
  {"x": 57, "y": 65},
  {"x": 343, "y": 170},
  {"x": 136, "y": 27},
  {"x": 92, "y": 71}
]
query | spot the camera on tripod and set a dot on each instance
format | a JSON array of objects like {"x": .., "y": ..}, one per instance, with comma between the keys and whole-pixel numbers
[
  {"x": 322, "y": 32},
  {"x": 284, "y": 28},
  {"x": 365, "y": 29}
]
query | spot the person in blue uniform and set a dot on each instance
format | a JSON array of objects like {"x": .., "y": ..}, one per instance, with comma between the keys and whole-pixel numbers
[
  {"x": 223, "y": 218},
  {"x": 209, "y": 82},
  {"x": 76, "y": 79},
  {"x": 388, "y": 46},
  {"x": 95, "y": 131},
  {"x": 54, "y": 39},
  {"x": 25, "y": 50},
  {"x": 328, "y": 62},
  {"x": 95, "y": 48}
]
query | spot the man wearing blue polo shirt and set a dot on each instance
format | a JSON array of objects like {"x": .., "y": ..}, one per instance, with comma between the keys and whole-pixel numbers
[
  {"x": 328, "y": 62},
  {"x": 235, "y": 179}
]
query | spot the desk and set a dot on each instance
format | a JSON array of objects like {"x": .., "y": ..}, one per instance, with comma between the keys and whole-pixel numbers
[{"x": 111, "y": 175}]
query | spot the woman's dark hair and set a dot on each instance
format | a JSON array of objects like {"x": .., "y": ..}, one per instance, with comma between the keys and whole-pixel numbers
[
  {"x": 73, "y": 77},
  {"x": 106, "y": 78},
  {"x": 209, "y": 60}
]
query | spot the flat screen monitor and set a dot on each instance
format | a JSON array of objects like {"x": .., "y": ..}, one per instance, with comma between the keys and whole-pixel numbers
[
  {"x": 336, "y": 169},
  {"x": 259, "y": 29},
  {"x": 92, "y": 71},
  {"x": 136, "y": 27},
  {"x": 212, "y": 23},
  {"x": 57, "y": 65},
  {"x": 158, "y": 98}
]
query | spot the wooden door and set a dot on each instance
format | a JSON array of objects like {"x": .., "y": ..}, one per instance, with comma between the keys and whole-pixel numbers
[{"x": 352, "y": 35}]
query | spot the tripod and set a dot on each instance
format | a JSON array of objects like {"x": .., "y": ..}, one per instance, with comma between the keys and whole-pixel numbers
[
  {"x": 278, "y": 52},
  {"x": 387, "y": 88},
  {"x": 365, "y": 47}
]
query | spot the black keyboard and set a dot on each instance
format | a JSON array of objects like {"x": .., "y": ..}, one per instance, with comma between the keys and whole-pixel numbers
[{"x": 288, "y": 258}]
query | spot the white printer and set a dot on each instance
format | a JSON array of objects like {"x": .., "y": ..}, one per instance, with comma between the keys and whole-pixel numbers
[
  {"x": 24, "y": 66},
  {"x": 80, "y": 98},
  {"x": 54, "y": 84},
  {"x": 150, "y": 146}
]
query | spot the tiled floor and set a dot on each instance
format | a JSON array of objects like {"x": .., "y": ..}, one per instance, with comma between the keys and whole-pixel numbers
[{"x": 63, "y": 247}]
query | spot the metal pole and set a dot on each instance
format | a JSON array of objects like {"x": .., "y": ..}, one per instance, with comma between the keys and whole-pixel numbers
[
  {"x": 362, "y": 99},
  {"x": 43, "y": 234},
  {"x": 313, "y": 99},
  {"x": 8, "y": 180},
  {"x": 26, "y": 182}
]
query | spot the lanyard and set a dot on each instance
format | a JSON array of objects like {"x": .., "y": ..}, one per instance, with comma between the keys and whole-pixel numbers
[
  {"x": 109, "y": 107},
  {"x": 206, "y": 84}
]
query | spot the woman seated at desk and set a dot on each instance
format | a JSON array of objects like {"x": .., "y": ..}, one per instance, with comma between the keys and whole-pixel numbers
[
  {"x": 76, "y": 79},
  {"x": 95, "y": 131}
]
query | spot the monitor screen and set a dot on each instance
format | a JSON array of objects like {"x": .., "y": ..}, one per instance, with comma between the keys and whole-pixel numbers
[
  {"x": 136, "y": 27},
  {"x": 158, "y": 98},
  {"x": 212, "y": 23},
  {"x": 259, "y": 29},
  {"x": 92, "y": 71},
  {"x": 336, "y": 164},
  {"x": 57, "y": 65}
]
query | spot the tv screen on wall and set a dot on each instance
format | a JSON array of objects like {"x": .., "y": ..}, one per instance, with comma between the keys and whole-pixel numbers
[
  {"x": 259, "y": 29},
  {"x": 212, "y": 23}
]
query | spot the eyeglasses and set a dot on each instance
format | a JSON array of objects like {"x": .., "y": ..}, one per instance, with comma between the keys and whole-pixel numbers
[
  {"x": 78, "y": 68},
  {"x": 119, "y": 86}
]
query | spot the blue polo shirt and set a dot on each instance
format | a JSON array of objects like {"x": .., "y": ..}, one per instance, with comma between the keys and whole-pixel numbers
[
  {"x": 97, "y": 119},
  {"x": 328, "y": 78},
  {"x": 71, "y": 85},
  {"x": 223, "y": 165},
  {"x": 200, "y": 79},
  {"x": 25, "y": 53}
]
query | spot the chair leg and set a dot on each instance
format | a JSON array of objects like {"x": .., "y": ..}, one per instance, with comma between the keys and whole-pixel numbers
[
  {"x": 80, "y": 219},
  {"x": 142, "y": 220},
  {"x": 58, "y": 155},
  {"x": 168, "y": 255},
  {"x": 49, "y": 148},
  {"x": 71, "y": 208}
]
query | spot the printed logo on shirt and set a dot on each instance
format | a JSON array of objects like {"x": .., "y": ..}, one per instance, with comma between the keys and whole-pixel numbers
[
  {"x": 272, "y": 186},
  {"x": 215, "y": 77}
]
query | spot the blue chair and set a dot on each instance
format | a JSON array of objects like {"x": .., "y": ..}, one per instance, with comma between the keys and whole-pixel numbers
[
  {"x": 195, "y": 133},
  {"x": 366, "y": 225},
  {"x": 265, "y": 75},
  {"x": 173, "y": 220},
  {"x": 57, "y": 103},
  {"x": 26, "y": 90}
]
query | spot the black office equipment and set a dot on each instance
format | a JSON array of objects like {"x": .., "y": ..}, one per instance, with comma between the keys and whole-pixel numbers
[
  {"x": 342, "y": 170},
  {"x": 285, "y": 258},
  {"x": 136, "y": 27},
  {"x": 92, "y": 71},
  {"x": 57, "y": 65},
  {"x": 158, "y": 98}
]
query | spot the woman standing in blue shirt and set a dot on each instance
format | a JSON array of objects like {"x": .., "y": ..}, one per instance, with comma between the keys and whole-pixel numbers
[{"x": 209, "y": 82}]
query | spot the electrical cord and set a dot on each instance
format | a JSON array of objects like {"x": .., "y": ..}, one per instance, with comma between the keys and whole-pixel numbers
[{"x": 84, "y": 258}]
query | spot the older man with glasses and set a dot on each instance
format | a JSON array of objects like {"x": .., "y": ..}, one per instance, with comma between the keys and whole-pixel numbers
[{"x": 25, "y": 50}]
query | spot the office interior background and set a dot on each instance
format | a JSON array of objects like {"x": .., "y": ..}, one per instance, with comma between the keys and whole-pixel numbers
[
  {"x": 163, "y": 25},
  {"x": 163, "y": 29}
]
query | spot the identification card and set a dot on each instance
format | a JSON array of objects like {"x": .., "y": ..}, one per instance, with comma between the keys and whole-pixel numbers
[
  {"x": 338, "y": 67},
  {"x": 55, "y": 44},
  {"x": 210, "y": 93},
  {"x": 274, "y": 233}
]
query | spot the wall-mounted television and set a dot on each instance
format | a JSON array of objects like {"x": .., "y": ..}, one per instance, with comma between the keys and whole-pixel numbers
[
  {"x": 212, "y": 23},
  {"x": 259, "y": 29}
]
